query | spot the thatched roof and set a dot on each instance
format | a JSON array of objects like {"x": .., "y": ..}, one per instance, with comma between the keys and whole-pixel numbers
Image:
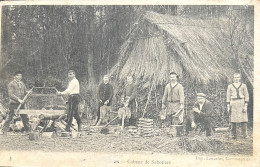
[{"x": 164, "y": 43}]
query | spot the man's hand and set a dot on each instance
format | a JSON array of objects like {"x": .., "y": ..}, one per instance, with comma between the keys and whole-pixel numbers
[
  {"x": 20, "y": 101},
  {"x": 106, "y": 102},
  {"x": 196, "y": 110},
  {"x": 181, "y": 107},
  {"x": 163, "y": 106},
  {"x": 193, "y": 124},
  {"x": 245, "y": 109},
  {"x": 58, "y": 93},
  {"x": 30, "y": 91}
]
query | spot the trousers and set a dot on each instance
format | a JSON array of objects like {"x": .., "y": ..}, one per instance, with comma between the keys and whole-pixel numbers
[
  {"x": 10, "y": 116},
  {"x": 204, "y": 121},
  {"x": 234, "y": 129},
  {"x": 73, "y": 103}
]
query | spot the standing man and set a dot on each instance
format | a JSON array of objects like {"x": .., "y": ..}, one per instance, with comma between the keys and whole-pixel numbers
[
  {"x": 129, "y": 101},
  {"x": 201, "y": 113},
  {"x": 73, "y": 92},
  {"x": 16, "y": 92},
  {"x": 173, "y": 101},
  {"x": 237, "y": 101},
  {"x": 105, "y": 95}
]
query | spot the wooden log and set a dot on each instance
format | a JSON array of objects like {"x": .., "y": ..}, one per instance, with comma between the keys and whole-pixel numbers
[
  {"x": 44, "y": 112},
  {"x": 48, "y": 135},
  {"x": 60, "y": 126},
  {"x": 48, "y": 116},
  {"x": 71, "y": 128},
  {"x": 225, "y": 129},
  {"x": 65, "y": 134}
]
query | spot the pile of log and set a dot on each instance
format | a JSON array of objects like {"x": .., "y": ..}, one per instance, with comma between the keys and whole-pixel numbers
[{"x": 133, "y": 131}]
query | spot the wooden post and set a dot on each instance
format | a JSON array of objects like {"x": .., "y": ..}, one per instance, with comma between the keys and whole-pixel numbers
[
  {"x": 148, "y": 100},
  {"x": 123, "y": 122},
  {"x": 1, "y": 61}
]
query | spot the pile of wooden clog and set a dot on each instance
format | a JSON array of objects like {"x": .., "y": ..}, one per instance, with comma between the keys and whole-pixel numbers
[
  {"x": 133, "y": 131},
  {"x": 145, "y": 126}
]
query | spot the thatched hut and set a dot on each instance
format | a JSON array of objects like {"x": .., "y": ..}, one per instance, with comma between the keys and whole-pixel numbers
[{"x": 195, "y": 49}]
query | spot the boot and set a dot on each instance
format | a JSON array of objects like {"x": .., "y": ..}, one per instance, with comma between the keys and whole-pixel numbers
[
  {"x": 96, "y": 121},
  {"x": 244, "y": 130},
  {"x": 99, "y": 122},
  {"x": 79, "y": 127},
  {"x": 234, "y": 130},
  {"x": 178, "y": 134},
  {"x": 127, "y": 122}
]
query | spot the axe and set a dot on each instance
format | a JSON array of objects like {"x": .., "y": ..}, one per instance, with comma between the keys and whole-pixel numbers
[{"x": 24, "y": 99}]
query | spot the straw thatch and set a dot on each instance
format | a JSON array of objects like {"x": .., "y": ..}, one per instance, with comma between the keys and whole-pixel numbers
[{"x": 164, "y": 43}]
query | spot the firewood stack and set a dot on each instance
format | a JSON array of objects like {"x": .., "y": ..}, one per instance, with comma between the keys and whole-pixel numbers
[
  {"x": 133, "y": 131},
  {"x": 145, "y": 126}
]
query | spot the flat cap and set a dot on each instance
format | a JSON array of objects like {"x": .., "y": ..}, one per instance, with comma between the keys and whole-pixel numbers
[{"x": 201, "y": 94}]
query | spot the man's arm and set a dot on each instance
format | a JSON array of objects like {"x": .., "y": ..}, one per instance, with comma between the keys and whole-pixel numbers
[
  {"x": 246, "y": 94},
  {"x": 246, "y": 98},
  {"x": 71, "y": 86},
  {"x": 165, "y": 95},
  {"x": 133, "y": 94},
  {"x": 123, "y": 94},
  {"x": 181, "y": 93},
  {"x": 111, "y": 93},
  {"x": 228, "y": 97},
  {"x": 208, "y": 108},
  {"x": 11, "y": 93}
]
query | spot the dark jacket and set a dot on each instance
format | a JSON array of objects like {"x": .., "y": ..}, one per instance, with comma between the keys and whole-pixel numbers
[
  {"x": 207, "y": 108},
  {"x": 105, "y": 92},
  {"x": 130, "y": 93},
  {"x": 15, "y": 91}
]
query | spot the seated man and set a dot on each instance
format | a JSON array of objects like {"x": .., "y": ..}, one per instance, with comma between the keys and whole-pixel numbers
[
  {"x": 128, "y": 111},
  {"x": 201, "y": 113}
]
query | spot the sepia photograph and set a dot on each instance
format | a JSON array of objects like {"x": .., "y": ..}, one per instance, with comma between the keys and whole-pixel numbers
[{"x": 128, "y": 79}]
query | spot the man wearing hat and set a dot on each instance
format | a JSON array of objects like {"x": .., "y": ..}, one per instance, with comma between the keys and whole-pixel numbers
[
  {"x": 73, "y": 102},
  {"x": 200, "y": 114},
  {"x": 105, "y": 95},
  {"x": 16, "y": 91},
  {"x": 173, "y": 102}
]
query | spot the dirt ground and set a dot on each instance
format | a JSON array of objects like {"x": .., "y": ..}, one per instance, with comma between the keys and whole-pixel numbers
[{"x": 162, "y": 142}]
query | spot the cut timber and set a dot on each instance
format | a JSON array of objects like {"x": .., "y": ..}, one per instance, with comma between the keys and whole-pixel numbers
[
  {"x": 38, "y": 112},
  {"x": 48, "y": 116},
  {"x": 48, "y": 135},
  {"x": 225, "y": 129}
]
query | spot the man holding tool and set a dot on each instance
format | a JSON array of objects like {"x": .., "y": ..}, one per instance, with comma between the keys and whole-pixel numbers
[
  {"x": 173, "y": 102},
  {"x": 73, "y": 101},
  {"x": 18, "y": 95}
]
